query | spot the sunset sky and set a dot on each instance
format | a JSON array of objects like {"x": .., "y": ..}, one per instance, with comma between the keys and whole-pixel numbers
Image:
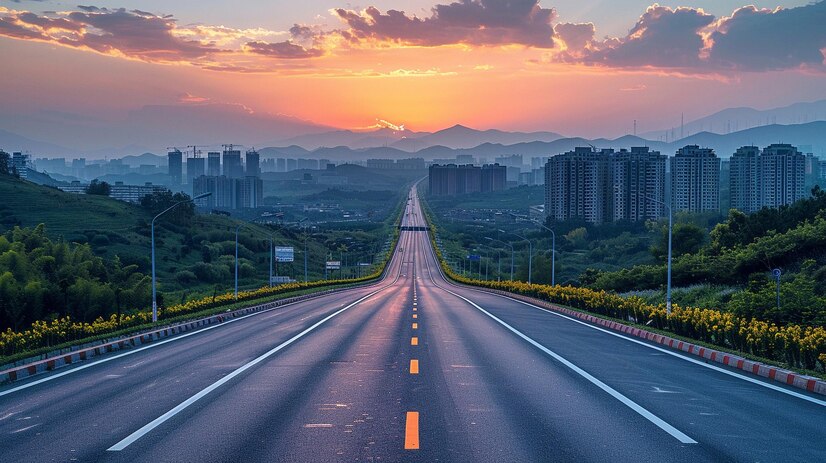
[{"x": 576, "y": 67}]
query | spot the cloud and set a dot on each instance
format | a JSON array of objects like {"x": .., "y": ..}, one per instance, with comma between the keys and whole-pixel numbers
[
  {"x": 760, "y": 40},
  {"x": 663, "y": 37},
  {"x": 145, "y": 36},
  {"x": 192, "y": 99},
  {"x": 575, "y": 36},
  {"x": 11, "y": 28},
  {"x": 469, "y": 22},
  {"x": 283, "y": 50},
  {"x": 691, "y": 41},
  {"x": 134, "y": 34},
  {"x": 634, "y": 88}
]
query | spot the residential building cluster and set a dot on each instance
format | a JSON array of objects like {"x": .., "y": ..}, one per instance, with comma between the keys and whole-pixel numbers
[
  {"x": 231, "y": 183},
  {"x": 118, "y": 190},
  {"x": 452, "y": 179},
  {"x": 605, "y": 185},
  {"x": 772, "y": 177}
]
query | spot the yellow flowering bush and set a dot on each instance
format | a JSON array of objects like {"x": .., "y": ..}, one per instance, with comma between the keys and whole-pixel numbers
[
  {"x": 63, "y": 330},
  {"x": 798, "y": 346}
]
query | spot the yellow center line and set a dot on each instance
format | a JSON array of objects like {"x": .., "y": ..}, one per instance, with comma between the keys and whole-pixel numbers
[
  {"x": 415, "y": 326},
  {"x": 414, "y": 341},
  {"x": 414, "y": 367},
  {"x": 411, "y": 431},
  {"x": 415, "y": 315}
]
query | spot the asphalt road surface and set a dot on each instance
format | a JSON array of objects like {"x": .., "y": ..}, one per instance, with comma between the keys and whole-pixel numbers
[{"x": 412, "y": 368}]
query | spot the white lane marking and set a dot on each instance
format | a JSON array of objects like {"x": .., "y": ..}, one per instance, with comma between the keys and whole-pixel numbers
[
  {"x": 150, "y": 346},
  {"x": 183, "y": 405},
  {"x": 659, "y": 422},
  {"x": 674, "y": 354}
]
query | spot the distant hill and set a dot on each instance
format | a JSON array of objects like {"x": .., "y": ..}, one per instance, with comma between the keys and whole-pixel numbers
[
  {"x": 350, "y": 138},
  {"x": 739, "y": 119},
  {"x": 459, "y": 136},
  {"x": 813, "y": 134},
  {"x": 11, "y": 142}
]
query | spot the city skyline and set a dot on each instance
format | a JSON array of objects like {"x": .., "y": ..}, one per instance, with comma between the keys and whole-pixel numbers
[{"x": 588, "y": 69}]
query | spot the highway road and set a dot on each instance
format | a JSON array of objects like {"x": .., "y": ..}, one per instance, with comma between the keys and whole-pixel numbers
[{"x": 412, "y": 368}]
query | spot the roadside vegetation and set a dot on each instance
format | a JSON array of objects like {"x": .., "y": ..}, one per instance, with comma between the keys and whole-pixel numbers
[
  {"x": 91, "y": 277},
  {"x": 724, "y": 294}
]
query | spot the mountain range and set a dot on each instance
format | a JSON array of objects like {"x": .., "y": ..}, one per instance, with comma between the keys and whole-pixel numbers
[
  {"x": 739, "y": 119},
  {"x": 209, "y": 125}
]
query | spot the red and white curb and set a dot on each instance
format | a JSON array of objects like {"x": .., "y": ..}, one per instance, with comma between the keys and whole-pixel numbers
[
  {"x": 70, "y": 355},
  {"x": 791, "y": 378}
]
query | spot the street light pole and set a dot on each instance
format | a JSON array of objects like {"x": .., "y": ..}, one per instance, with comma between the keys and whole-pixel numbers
[
  {"x": 670, "y": 228},
  {"x": 236, "y": 259},
  {"x": 553, "y": 253},
  {"x": 271, "y": 258},
  {"x": 530, "y": 253},
  {"x": 154, "y": 292},
  {"x": 512, "y": 251}
]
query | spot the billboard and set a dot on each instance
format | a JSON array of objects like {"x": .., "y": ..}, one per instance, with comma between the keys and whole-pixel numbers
[
  {"x": 333, "y": 264},
  {"x": 284, "y": 254}
]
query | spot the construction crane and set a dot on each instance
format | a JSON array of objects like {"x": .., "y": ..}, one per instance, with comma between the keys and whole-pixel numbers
[{"x": 195, "y": 151}]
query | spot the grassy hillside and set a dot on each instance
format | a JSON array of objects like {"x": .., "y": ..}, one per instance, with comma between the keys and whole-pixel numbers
[{"x": 195, "y": 258}]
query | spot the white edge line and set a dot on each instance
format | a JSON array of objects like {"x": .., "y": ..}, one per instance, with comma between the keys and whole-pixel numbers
[
  {"x": 180, "y": 407},
  {"x": 672, "y": 353},
  {"x": 659, "y": 422},
  {"x": 183, "y": 405},
  {"x": 135, "y": 351}
]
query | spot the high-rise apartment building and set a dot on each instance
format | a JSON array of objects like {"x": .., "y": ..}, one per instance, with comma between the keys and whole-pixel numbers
[
  {"x": 213, "y": 164},
  {"x": 452, "y": 179},
  {"x": 813, "y": 171},
  {"x": 605, "y": 185},
  {"x": 744, "y": 179},
  {"x": 249, "y": 192},
  {"x": 253, "y": 164},
  {"x": 783, "y": 175},
  {"x": 194, "y": 168},
  {"x": 229, "y": 193},
  {"x": 175, "y": 166},
  {"x": 20, "y": 162},
  {"x": 576, "y": 185},
  {"x": 638, "y": 184},
  {"x": 695, "y": 180},
  {"x": 493, "y": 178},
  {"x": 222, "y": 188},
  {"x": 232, "y": 164}
]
